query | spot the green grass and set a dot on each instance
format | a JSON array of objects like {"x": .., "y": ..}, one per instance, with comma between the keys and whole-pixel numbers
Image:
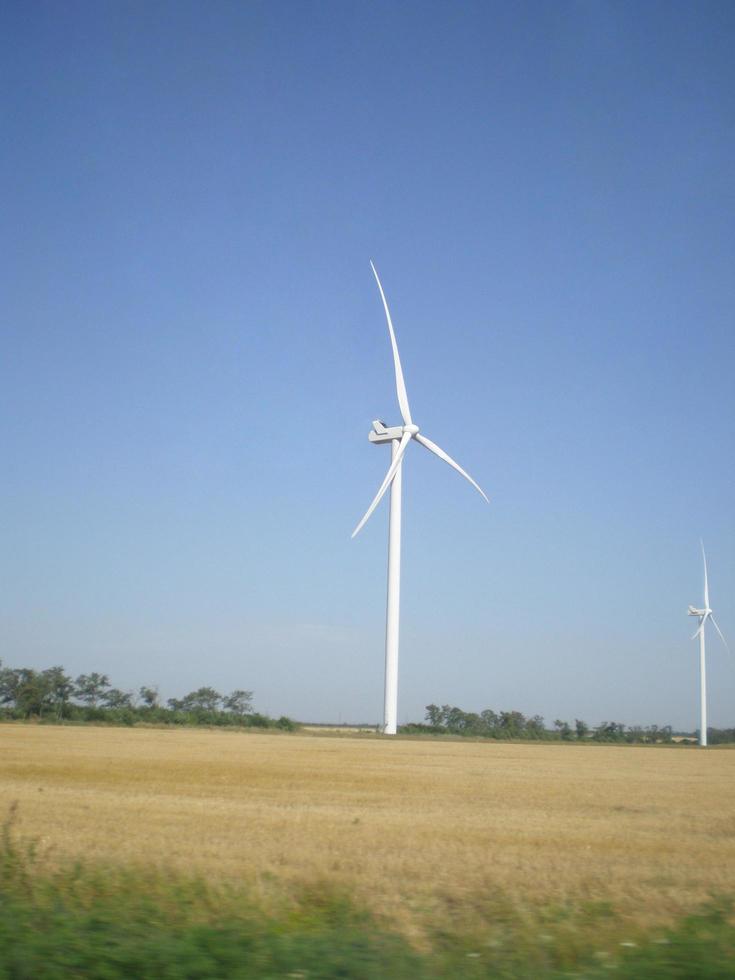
[{"x": 112, "y": 923}]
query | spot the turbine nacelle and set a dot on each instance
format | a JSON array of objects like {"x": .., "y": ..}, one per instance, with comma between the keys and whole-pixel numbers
[
  {"x": 697, "y": 612},
  {"x": 381, "y": 433}
]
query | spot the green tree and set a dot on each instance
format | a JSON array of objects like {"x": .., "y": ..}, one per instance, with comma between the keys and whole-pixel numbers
[
  {"x": 116, "y": 699},
  {"x": 203, "y": 699},
  {"x": 535, "y": 727},
  {"x": 434, "y": 715},
  {"x": 581, "y": 727},
  {"x": 456, "y": 721},
  {"x": 564, "y": 729},
  {"x": 609, "y": 731},
  {"x": 90, "y": 688},
  {"x": 60, "y": 689},
  {"x": 490, "y": 722},
  {"x": 238, "y": 703},
  {"x": 27, "y": 690},
  {"x": 512, "y": 724},
  {"x": 7, "y": 685},
  {"x": 149, "y": 696}
]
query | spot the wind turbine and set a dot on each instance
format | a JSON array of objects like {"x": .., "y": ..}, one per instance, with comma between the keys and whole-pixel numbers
[
  {"x": 399, "y": 437},
  {"x": 704, "y": 615}
]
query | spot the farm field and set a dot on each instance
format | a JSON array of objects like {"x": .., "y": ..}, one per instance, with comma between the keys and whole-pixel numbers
[{"x": 409, "y": 828}]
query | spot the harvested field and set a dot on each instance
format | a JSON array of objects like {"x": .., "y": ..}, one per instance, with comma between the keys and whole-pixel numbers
[{"x": 409, "y": 827}]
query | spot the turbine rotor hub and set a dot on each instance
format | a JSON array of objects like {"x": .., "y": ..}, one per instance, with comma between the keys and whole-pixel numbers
[{"x": 412, "y": 429}]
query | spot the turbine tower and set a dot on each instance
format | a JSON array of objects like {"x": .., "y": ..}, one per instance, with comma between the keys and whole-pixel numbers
[
  {"x": 399, "y": 437},
  {"x": 704, "y": 614}
]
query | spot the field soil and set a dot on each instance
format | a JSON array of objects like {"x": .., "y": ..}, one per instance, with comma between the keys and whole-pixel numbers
[{"x": 411, "y": 828}]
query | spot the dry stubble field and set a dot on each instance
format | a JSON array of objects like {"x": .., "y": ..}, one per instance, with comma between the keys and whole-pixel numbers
[{"x": 407, "y": 826}]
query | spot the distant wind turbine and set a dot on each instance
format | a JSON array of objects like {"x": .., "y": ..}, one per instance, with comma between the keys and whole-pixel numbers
[
  {"x": 704, "y": 615},
  {"x": 399, "y": 437}
]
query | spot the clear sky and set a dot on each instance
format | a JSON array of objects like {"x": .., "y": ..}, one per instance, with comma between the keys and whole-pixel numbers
[{"x": 193, "y": 349}]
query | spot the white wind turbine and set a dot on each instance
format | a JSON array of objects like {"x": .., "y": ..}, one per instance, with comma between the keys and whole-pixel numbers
[
  {"x": 704, "y": 615},
  {"x": 399, "y": 437}
]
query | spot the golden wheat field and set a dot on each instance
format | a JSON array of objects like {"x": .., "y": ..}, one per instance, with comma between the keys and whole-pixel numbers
[{"x": 405, "y": 825}]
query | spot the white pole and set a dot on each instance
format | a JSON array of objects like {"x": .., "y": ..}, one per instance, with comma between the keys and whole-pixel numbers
[
  {"x": 390, "y": 710},
  {"x": 702, "y": 691}
]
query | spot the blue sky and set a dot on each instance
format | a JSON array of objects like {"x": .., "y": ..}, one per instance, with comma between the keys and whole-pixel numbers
[{"x": 193, "y": 349}]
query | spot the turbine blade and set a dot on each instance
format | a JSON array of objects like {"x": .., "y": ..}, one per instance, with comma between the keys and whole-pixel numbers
[
  {"x": 706, "y": 589},
  {"x": 432, "y": 447},
  {"x": 714, "y": 623},
  {"x": 400, "y": 383},
  {"x": 405, "y": 439}
]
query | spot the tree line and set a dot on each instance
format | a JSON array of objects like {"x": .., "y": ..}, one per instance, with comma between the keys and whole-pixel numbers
[
  {"x": 720, "y": 736},
  {"x": 449, "y": 720},
  {"x": 52, "y": 695}
]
